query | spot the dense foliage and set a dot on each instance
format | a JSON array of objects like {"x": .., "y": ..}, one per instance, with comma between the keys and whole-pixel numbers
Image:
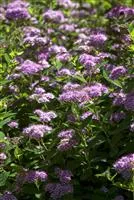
[{"x": 67, "y": 100}]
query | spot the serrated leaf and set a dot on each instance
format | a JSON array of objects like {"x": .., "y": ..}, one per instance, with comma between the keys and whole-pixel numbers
[{"x": 3, "y": 178}]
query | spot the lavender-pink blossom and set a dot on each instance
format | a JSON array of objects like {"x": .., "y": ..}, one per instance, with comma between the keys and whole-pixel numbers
[
  {"x": 66, "y": 144},
  {"x": 13, "y": 124},
  {"x": 64, "y": 72},
  {"x": 66, "y": 134},
  {"x": 17, "y": 10},
  {"x": 117, "y": 116},
  {"x": 74, "y": 96},
  {"x": 8, "y": 196},
  {"x": 45, "y": 116},
  {"x": 55, "y": 49},
  {"x": 124, "y": 165},
  {"x": 132, "y": 127},
  {"x": 33, "y": 175},
  {"x": 67, "y": 4},
  {"x": 36, "y": 131},
  {"x": 97, "y": 39},
  {"x": 96, "y": 90},
  {"x": 119, "y": 197},
  {"x": 85, "y": 115},
  {"x": 3, "y": 156},
  {"x": 120, "y": 11},
  {"x": 58, "y": 190},
  {"x": 55, "y": 16},
  {"x": 64, "y": 175},
  {"x": 30, "y": 31},
  {"x": 63, "y": 57},
  {"x": 30, "y": 68},
  {"x": 117, "y": 72},
  {"x": 129, "y": 101}
]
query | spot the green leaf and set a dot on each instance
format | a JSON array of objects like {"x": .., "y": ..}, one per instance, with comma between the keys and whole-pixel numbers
[
  {"x": 3, "y": 82},
  {"x": 57, "y": 64},
  {"x": 131, "y": 30},
  {"x": 17, "y": 153},
  {"x": 116, "y": 83},
  {"x": 132, "y": 34},
  {"x": 80, "y": 78},
  {"x": 105, "y": 174},
  {"x": 68, "y": 197},
  {"x": 30, "y": 189},
  {"x": 6, "y": 115},
  {"x": 7, "y": 58},
  {"x": 3, "y": 122},
  {"x": 38, "y": 196},
  {"x": 35, "y": 118},
  {"x": 131, "y": 48},
  {"x": 3, "y": 178},
  {"x": 16, "y": 167},
  {"x": 2, "y": 135}
]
